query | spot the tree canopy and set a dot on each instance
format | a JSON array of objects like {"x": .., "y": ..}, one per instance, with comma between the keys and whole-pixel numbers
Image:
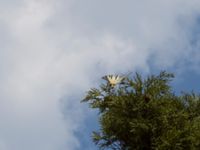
[{"x": 145, "y": 114}]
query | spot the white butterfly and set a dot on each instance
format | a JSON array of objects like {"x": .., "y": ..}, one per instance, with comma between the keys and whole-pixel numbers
[{"x": 113, "y": 80}]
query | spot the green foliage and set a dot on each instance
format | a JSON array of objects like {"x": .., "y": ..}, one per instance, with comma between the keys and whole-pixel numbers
[{"x": 145, "y": 114}]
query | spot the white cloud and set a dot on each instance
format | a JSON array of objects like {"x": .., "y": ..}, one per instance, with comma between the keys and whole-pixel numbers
[{"x": 55, "y": 49}]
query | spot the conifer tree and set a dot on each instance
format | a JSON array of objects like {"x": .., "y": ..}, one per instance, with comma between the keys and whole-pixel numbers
[{"x": 145, "y": 114}]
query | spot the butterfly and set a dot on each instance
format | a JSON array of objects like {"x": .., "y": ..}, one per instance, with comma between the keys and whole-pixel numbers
[{"x": 113, "y": 80}]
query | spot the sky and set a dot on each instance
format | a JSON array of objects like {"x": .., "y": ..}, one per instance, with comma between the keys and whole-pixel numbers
[{"x": 53, "y": 51}]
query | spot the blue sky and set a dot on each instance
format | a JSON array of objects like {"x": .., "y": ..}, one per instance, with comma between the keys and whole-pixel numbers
[{"x": 53, "y": 51}]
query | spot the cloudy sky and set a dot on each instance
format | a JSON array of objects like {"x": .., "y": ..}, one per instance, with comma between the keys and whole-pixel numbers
[{"x": 53, "y": 51}]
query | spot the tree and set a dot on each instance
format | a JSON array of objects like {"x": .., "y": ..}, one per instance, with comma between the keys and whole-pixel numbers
[{"x": 145, "y": 114}]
